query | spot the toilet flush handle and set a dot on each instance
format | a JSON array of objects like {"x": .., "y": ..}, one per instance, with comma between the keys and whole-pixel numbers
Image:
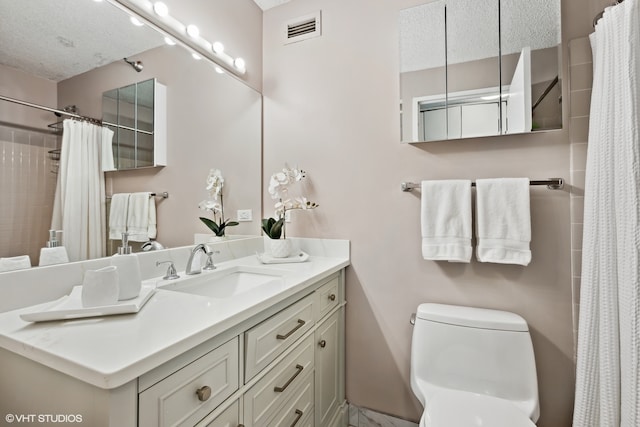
[{"x": 412, "y": 319}]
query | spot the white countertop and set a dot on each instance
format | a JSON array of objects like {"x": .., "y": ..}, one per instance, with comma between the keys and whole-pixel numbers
[{"x": 110, "y": 351}]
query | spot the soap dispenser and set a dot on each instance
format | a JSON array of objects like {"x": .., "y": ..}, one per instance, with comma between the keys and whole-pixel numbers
[
  {"x": 130, "y": 281},
  {"x": 53, "y": 252}
]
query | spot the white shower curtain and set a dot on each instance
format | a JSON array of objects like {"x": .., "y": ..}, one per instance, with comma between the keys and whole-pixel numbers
[
  {"x": 608, "y": 375},
  {"x": 79, "y": 206}
]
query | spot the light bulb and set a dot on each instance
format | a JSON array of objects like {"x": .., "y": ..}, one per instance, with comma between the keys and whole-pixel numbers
[
  {"x": 219, "y": 70},
  {"x": 160, "y": 9},
  {"x": 218, "y": 48},
  {"x": 170, "y": 42},
  {"x": 193, "y": 31},
  {"x": 196, "y": 56},
  {"x": 239, "y": 63},
  {"x": 135, "y": 21}
]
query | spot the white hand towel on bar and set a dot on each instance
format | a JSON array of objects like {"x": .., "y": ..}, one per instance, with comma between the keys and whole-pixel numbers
[
  {"x": 141, "y": 222},
  {"x": 15, "y": 263},
  {"x": 503, "y": 220},
  {"x": 446, "y": 220},
  {"x": 118, "y": 215}
]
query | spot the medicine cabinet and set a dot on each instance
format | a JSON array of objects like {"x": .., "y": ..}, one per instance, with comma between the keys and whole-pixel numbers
[
  {"x": 137, "y": 115},
  {"x": 471, "y": 68}
]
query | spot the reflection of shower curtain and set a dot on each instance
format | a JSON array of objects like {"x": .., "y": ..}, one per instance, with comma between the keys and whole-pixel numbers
[
  {"x": 608, "y": 371},
  {"x": 79, "y": 207}
]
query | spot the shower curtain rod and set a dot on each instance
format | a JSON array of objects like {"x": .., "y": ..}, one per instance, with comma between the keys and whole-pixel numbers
[
  {"x": 52, "y": 110},
  {"x": 601, "y": 14},
  {"x": 551, "y": 183}
]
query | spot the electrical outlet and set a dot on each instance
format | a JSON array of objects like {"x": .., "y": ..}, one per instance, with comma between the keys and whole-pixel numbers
[{"x": 244, "y": 215}]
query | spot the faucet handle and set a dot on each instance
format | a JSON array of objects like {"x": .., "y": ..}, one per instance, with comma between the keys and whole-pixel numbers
[
  {"x": 171, "y": 270},
  {"x": 209, "y": 264}
]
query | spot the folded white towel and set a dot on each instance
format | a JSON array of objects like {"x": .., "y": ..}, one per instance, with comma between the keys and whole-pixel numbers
[
  {"x": 118, "y": 215},
  {"x": 503, "y": 220},
  {"x": 141, "y": 222},
  {"x": 56, "y": 255},
  {"x": 446, "y": 220},
  {"x": 15, "y": 263}
]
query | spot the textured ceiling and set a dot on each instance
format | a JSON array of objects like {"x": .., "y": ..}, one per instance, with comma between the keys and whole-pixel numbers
[
  {"x": 62, "y": 38},
  {"x": 472, "y": 26},
  {"x": 268, "y": 4}
]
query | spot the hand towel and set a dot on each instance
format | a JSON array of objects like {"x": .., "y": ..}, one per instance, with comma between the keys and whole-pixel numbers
[
  {"x": 141, "y": 222},
  {"x": 503, "y": 220},
  {"x": 107, "y": 150},
  {"x": 15, "y": 263},
  {"x": 446, "y": 220},
  {"x": 118, "y": 215},
  {"x": 56, "y": 255}
]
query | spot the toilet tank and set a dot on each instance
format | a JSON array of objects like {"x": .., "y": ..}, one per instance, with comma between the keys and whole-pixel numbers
[{"x": 476, "y": 350}]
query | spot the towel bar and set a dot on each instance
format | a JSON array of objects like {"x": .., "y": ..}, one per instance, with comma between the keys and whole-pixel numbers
[
  {"x": 551, "y": 183},
  {"x": 164, "y": 195}
]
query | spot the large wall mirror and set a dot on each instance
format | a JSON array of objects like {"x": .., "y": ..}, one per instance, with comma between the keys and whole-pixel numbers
[
  {"x": 65, "y": 55},
  {"x": 472, "y": 68}
]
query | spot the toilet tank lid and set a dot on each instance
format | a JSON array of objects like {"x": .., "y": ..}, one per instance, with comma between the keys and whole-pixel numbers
[{"x": 482, "y": 318}]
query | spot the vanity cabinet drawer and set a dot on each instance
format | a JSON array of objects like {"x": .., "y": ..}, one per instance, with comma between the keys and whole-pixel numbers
[
  {"x": 229, "y": 418},
  {"x": 266, "y": 397},
  {"x": 327, "y": 297},
  {"x": 190, "y": 393},
  {"x": 267, "y": 340},
  {"x": 298, "y": 408}
]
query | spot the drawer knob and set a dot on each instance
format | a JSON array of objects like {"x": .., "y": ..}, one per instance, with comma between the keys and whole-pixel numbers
[
  {"x": 204, "y": 393},
  {"x": 299, "y": 325},
  {"x": 322, "y": 343},
  {"x": 299, "y": 369},
  {"x": 332, "y": 297},
  {"x": 298, "y": 416}
]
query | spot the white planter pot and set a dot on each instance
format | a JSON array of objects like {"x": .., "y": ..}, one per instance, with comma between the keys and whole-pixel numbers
[{"x": 280, "y": 248}]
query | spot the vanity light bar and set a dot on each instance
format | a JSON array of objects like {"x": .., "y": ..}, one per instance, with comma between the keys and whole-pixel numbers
[{"x": 187, "y": 35}]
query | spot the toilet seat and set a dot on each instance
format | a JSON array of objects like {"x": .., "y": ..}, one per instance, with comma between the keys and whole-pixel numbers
[{"x": 464, "y": 409}]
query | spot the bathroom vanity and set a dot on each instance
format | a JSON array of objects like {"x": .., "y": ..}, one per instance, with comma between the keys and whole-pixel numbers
[{"x": 254, "y": 355}]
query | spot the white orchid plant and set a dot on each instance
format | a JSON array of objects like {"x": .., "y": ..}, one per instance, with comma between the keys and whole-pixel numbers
[
  {"x": 279, "y": 191},
  {"x": 215, "y": 204}
]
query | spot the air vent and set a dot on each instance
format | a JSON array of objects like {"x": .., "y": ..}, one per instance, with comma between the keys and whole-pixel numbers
[{"x": 303, "y": 28}]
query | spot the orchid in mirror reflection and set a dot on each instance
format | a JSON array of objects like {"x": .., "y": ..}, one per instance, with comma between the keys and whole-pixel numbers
[
  {"x": 215, "y": 204},
  {"x": 279, "y": 191}
]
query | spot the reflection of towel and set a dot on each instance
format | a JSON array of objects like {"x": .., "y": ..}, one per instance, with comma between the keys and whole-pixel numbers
[
  {"x": 107, "y": 150},
  {"x": 503, "y": 221},
  {"x": 56, "y": 255},
  {"x": 446, "y": 220},
  {"x": 118, "y": 215},
  {"x": 15, "y": 263},
  {"x": 141, "y": 222}
]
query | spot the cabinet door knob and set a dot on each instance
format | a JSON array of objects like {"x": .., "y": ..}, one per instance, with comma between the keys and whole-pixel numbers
[
  {"x": 322, "y": 343},
  {"x": 203, "y": 393},
  {"x": 332, "y": 297}
]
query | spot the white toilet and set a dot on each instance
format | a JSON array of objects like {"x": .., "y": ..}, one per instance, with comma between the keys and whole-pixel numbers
[{"x": 473, "y": 367}]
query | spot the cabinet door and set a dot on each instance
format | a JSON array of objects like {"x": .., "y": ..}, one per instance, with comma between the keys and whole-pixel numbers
[
  {"x": 328, "y": 369},
  {"x": 229, "y": 418}
]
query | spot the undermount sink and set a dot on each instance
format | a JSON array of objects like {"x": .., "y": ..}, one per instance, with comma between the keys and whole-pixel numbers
[{"x": 226, "y": 283}]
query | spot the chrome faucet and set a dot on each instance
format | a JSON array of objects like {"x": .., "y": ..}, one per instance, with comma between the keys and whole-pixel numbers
[{"x": 190, "y": 270}]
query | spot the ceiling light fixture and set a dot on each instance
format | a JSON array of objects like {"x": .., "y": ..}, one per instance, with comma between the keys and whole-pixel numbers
[
  {"x": 135, "y": 21},
  {"x": 196, "y": 56},
  {"x": 169, "y": 41}
]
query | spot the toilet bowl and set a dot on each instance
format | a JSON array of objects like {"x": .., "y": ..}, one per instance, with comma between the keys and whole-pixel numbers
[{"x": 473, "y": 367}]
